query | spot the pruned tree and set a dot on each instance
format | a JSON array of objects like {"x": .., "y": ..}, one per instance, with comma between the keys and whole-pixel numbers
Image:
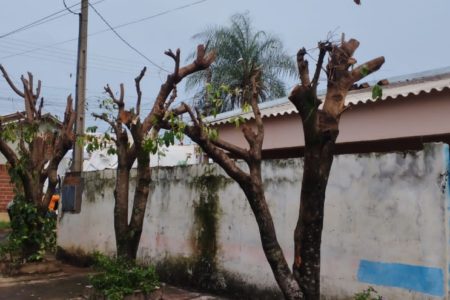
[
  {"x": 224, "y": 154},
  {"x": 134, "y": 140},
  {"x": 33, "y": 152},
  {"x": 302, "y": 281},
  {"x": 321, "y": 129},
  {"x": 39, "y": 152}
]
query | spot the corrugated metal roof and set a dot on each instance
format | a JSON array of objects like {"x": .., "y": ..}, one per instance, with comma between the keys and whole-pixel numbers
[
  {"x": 17, "y": 116},
  {"x": 414, "y": 84}
]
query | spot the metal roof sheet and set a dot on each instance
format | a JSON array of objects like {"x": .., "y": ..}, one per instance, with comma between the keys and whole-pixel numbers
[{"x": 403, "y": 86}]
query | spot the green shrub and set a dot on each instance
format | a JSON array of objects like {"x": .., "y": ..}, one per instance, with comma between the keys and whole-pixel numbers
[
  {"x": 369, "y": 294},
  {"x": 118, "y": 277},
  {"x": 33, "y": 233},
  {"x": 4, "y": 225}
]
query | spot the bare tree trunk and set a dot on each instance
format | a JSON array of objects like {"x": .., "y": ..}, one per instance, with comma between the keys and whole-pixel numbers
[
  {"x": 308, "y": 232},
  {"x": 128, "y": 234},
  {"x": 121, "y": 211},
  {"x": 254, "y": 192},
  {"x": 321, "y": 128},
  {"x": 250, "y": 182},
  {"x": 140, "y": 202}
]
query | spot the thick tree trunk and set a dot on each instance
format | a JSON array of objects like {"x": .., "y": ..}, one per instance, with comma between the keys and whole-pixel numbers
[
  {"x": 255, "y": 194},
  {"x": 139, "y": 205},
  {"x": 308, "y": 232},
  {"x": 121, "y": 211}
]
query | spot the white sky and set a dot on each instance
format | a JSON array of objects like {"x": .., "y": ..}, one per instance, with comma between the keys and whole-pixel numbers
[{"x": 413, "y": 35}]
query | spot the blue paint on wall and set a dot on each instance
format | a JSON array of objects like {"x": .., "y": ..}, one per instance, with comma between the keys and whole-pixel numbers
[{"x": 422, "y": 279}]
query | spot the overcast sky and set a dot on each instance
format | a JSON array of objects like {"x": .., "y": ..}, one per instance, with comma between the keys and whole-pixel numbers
[{"x": 413, "y": 35}]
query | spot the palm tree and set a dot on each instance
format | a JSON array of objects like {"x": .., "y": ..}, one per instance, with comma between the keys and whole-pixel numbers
[{"x": 240, "y": 52}]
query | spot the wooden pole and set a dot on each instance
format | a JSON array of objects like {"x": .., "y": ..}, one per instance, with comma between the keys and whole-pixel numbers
[{"x": 80, "y": 93}]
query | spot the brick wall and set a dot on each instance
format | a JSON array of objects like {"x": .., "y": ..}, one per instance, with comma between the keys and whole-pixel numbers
[{"x": 6, "y": 188}]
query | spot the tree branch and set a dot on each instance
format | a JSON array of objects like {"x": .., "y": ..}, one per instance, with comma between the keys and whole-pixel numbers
[
  {"x": 10, "y": 83},
  {"x": 303, "y": 69},
  {"x": 256, "y": 78},
  {"x": 367, "y": 68},
  {"x": 237, "y": 152},
  {"x": 137, "y": 81},
  {"x": 340, "y": 78},
  {"x": 119, "y": 101},
  {"x": 30, "y": 102},
  {"x": 9, "y": 154},
  {"x": 41, "y": 105},
  {"x": 69, "y": 115},
  {"x": 324, "y": 47},
  {"x": 176, "y": 58},
  {"x": 202, "y": 61},
  {"x": 217, "y": 154},
  {"x": 105, "y": 118},
  {"x": 172, "y": 98}
]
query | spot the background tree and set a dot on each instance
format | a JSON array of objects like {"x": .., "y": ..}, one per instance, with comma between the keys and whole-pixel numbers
[
  {"x": 34, "y": 152},
  {"x": 134, "y": 140},
  {"x": 240, "y": 51},
  {"x": 321, "y": 130}
]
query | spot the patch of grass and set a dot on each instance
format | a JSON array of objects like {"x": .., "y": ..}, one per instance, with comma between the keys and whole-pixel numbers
[
  {"x": 119, "y": 277},
  {"x": 4, "y": 225}
]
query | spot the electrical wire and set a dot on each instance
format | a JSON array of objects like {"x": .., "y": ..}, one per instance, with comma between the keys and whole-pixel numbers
[
  {"x": 43, "y": 20},
  {"x": 10, "y": 42},
  {"x": 125, "y": 41},
  {"x": 103, "y": 31},
  {"x": 69, "y": 8}
]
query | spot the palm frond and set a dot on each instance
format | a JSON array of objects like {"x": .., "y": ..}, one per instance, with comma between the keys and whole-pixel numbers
[{"x": 240, "y": 50}]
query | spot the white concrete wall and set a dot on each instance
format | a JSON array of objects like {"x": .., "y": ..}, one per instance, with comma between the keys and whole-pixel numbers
[{"x": 386, "y": 222}]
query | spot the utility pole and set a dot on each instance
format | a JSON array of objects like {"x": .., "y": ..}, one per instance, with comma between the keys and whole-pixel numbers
[{"x": 80, "y": 93}]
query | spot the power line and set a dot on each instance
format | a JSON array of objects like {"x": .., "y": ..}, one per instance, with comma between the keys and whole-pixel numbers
[
  {"x": 126, "y": 42},
  {"x": 157, "y": 15},
  {"x": 43, "y": 20},
  {"x": 68, "y": 8},
  {"x": 71, "y": 62},
  {"x": 97, "y": 57},
  {"x": 102, "y": 31}
]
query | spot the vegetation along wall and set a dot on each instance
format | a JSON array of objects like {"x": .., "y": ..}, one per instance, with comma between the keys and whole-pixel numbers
[{"x": 386, "y": 225}]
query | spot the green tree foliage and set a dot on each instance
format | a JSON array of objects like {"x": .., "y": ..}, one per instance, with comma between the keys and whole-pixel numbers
[{"x": 240, "y": 50}]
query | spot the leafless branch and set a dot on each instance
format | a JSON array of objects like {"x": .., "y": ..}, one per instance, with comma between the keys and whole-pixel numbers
[
  {"x": 238, "y": 152},
  {"x": 172, "y": 98},
  {"x": 303, "y": 70},
  {"x": 41, "y": 105},
  {"x": 137, "y": 81},
  {"x": 367, "y": 68},
  {"x": 119, "y": 101},
  {"x": 107, "y": 120},
  {"x": 176, "y": 58},
  {"x": 201, "y": 62},
  {"x": 254, "y": 101},
  {"x": 10, "y": 83},
  {"x": 324, "y": 47}
]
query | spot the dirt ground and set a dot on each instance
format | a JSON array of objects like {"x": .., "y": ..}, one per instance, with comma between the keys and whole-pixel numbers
[{"x": 70, "y": 283}]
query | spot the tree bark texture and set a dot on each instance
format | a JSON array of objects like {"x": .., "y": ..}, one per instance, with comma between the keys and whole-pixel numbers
[
  {"x": 39, "y": 153},
  {"x": 128, "y": 232},
  {"x": 321, "y": 129},
  {"x": 250, "y": 182}
]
